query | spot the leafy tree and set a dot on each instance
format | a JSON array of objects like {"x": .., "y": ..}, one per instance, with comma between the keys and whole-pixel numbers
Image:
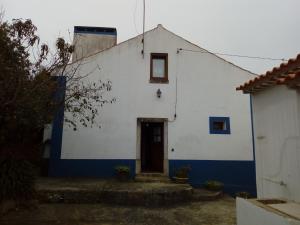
[
  {"x": 28, "y": 87},
  {"x": 29, "y": 82}
]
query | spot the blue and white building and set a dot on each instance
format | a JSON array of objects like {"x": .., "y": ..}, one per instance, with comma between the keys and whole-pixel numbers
[{"x": 176, "y": 105}]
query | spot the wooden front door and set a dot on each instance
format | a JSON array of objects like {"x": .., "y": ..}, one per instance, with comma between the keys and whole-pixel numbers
[{"x": 152, "y": 146}]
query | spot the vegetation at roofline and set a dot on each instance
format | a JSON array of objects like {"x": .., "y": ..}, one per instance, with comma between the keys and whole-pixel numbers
[{"x": 32, "y": 92}]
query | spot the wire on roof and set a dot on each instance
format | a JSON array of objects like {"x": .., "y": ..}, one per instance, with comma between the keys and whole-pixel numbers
[
  {"x": 134, "y": 17},
  {"x": 234, "y": 55}
]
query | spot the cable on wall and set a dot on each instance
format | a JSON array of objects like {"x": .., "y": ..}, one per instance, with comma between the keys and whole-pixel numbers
[
  {"x": 176, "y": 91},
  {"x": 233, "y": 55}
]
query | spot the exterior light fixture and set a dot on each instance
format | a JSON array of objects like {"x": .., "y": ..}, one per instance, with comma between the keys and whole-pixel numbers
[{"x": 158, "y": 93}]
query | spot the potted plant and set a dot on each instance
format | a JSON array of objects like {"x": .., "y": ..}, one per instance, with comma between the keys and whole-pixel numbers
[
  {"x": 213, "y": 185},
  {"x": 122, "y": 172},
  {"x": 182, "y": 175}
]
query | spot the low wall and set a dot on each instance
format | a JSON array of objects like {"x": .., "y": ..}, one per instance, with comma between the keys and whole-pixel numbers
[{"x": 249, "y": 213}]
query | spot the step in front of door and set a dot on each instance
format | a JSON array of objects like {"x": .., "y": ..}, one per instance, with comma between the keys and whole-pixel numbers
[{"x": 152, "y": 177}]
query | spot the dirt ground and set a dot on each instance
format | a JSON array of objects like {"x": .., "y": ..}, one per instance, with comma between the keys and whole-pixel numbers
[{"x": 219, "y": 212}]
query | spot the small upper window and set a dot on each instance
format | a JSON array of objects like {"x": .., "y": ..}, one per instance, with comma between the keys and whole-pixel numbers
[
  {"x": 159, "y": 68},
  {"x": 219, "y": 125}
]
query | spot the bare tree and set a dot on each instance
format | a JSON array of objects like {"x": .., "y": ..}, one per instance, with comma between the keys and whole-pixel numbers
[{"x": 30, "y": 76}]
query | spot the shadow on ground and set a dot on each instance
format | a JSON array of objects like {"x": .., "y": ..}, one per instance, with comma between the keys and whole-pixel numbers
[{"x": 219, "y": 212}]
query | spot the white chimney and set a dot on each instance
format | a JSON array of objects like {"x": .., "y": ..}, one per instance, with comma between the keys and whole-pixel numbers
[{"x": 89, "y": 40}]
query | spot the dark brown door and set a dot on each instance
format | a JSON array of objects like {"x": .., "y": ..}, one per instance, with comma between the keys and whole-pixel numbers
[{"x": 152, "y": 147}]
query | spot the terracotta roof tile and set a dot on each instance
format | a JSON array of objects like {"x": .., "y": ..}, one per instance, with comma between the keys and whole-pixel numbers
[{"x": 287, "y": 73}]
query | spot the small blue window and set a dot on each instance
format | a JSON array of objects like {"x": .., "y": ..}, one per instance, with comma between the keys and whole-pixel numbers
[{"x": 219, "y": 125}]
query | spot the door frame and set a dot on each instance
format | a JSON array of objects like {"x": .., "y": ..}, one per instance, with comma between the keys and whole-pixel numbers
[{"x": 138, "y": 164}]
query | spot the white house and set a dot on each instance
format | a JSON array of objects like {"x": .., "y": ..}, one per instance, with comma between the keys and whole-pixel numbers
[
  {"x": 276, "y": 113},
  {"x": 176, "y": 105}
]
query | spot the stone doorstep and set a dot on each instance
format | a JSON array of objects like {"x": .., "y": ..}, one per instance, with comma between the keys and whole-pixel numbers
[
  {"x": 120, "y": 197},
  {"x": 152, "y": 177},
  {"x": 151, "y": 174},
  {"x": 149, "y": 198},
  {"x": 121, "y": 193}
]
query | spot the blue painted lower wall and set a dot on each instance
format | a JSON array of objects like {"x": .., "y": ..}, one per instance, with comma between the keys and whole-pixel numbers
[
  {"x": 103, "y": 168},
  {"x": 236, "y": 175}
]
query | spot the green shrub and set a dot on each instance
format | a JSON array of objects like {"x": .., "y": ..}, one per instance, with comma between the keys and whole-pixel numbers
[
  {"x": 122, "y": 169},
  {"x": 183, "y": 172},
  {"x": 122, "y": 172},
  {"x": 17, "y": 179},
  {"x": 214, "y": 185}
]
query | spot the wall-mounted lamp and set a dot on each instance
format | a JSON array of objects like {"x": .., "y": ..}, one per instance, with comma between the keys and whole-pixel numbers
[{"x": 158, "y": 93}]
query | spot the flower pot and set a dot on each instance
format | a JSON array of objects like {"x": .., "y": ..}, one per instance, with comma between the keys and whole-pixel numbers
[{"x": 122, "y": 176}]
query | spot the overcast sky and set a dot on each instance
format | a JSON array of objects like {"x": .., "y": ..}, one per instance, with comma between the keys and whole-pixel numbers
[{"x": 266, "y": 28}]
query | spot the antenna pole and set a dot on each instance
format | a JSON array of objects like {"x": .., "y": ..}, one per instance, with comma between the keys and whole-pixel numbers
[{"x": 143, "y": 51}]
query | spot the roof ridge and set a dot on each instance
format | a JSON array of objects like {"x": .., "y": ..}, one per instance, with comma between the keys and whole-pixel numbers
[
  {"x": 161, "y": 26},
  {"x": 209, "y": 51}
]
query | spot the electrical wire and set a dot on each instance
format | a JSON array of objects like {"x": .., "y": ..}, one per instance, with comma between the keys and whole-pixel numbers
[
  {"x": 144, "y": 12},
  {"x": 176, "y": 91},
  {"x": 234, "y": 55},
  {"x": 134, "y": 17}
]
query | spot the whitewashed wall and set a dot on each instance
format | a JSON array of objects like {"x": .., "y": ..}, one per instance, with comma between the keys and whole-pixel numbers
[
  {"x": 276, "y": 125},
  {"x": 206, "y": 87}
]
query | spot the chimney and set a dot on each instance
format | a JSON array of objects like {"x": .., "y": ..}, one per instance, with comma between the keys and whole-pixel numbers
[{"x": 89, "y": 40}]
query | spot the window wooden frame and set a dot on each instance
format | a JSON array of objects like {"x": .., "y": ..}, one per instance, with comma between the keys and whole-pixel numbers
[{"x": 164, "y": 79}]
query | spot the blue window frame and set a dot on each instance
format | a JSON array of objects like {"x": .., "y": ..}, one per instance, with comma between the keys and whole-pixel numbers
[{"x": 219, "y": 125}]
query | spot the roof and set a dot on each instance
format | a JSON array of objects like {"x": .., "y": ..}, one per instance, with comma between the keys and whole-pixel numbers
[
  {"x": 162, "y": 27},
  {"x": 286, "y": 74}
]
